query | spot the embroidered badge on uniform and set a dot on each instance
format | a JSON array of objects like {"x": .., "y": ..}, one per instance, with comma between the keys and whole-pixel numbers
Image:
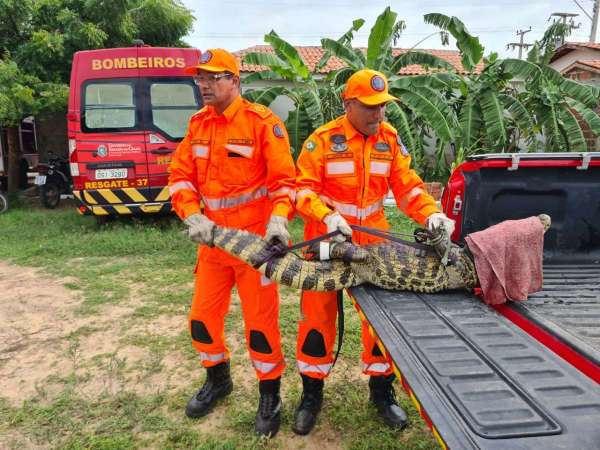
[
  {"x": 377, "y": 83},
  {"x": 382, "y": 146},
  {"x": 205, "y": 57},
  {"x": 339, "y": 147},
  {"x": 310, "y": 145},
  {"x": 338, "y": 138},
  {"x": 277, "y": 131}
]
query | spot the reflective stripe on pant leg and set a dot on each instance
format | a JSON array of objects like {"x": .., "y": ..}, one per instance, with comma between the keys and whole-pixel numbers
[
  {"x": 212, "y": 291},
  {"x": 316, "y": 328},
  {"x": 260, "y": 309},
  {"x": 374, "y": 363}
]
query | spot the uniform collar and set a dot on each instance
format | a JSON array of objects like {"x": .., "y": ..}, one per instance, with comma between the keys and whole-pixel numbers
[{"x": 230, "y": 111}]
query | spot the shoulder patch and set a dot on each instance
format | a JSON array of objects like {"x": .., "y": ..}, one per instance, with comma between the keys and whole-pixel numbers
[
  {"x": 401, "y": 145},
  {"x": 310, "y": 145},
  {"x": 278, "y": 131},
  {"x": 262, "y": 111}
]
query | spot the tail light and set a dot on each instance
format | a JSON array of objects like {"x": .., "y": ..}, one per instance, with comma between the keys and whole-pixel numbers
[{"x": 42, "y": 169}]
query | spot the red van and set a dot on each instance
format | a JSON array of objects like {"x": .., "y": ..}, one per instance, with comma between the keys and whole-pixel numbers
[{"x": 128, "y": 109}]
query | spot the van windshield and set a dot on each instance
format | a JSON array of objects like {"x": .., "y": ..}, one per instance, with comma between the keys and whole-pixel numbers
[{"x": 173, "y": 103}]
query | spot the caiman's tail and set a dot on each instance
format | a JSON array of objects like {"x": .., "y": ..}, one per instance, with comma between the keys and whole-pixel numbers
[{"x": 288, "y": 270}]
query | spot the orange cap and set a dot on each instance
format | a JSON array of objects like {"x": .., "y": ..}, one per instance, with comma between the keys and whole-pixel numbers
[
  {"x": 369, "y": 87},
  {"x": 215, "y": 60}
]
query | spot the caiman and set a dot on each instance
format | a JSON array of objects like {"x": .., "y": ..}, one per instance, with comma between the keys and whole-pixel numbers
[{"x": 390, "y": 265}]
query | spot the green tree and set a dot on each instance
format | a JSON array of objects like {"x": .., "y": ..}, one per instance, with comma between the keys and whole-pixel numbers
[
  {"x": 42, "y": 36},
  {"x": 22, "y": 95}
]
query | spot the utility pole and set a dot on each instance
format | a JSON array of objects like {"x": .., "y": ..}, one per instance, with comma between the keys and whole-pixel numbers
[
  {"x": 595, "y": 21},
  {"x": 563, "y": 16},
  {"x": 521, "y": 45}
]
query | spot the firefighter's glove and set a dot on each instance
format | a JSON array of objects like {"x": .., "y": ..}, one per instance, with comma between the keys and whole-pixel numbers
[
  {"x": 277, "y": 228},
  {"x": 200, "y": 228},
  {"x": 335, "y": 222},
  {"x": 438, "y": 221}
]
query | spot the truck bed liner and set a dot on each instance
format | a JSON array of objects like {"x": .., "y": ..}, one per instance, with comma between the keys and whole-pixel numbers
[
  {"x": 568, "y": 307},
  {"x": 482, "y": 382}
]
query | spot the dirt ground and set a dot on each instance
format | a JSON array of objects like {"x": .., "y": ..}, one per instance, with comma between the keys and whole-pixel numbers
[{"x": 43, "y": 340}]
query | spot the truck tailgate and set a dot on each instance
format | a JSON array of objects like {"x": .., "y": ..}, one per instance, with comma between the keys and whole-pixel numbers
[{"x": 479, "y": 380}]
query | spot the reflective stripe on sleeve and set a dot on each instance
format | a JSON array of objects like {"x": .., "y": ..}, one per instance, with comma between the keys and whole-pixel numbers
[
  {"x": 217, "y": 203},
  {"x": 408, "y": 197},
  {"x": 181, "y": 185}
]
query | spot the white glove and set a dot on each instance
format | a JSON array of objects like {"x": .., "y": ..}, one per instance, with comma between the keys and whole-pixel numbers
[
  {"x": 440, "y": 220},
  {"x": 277, "y": 228},
  {"x": 199, "y": 228},
  {"x": 334, "y": 222}
]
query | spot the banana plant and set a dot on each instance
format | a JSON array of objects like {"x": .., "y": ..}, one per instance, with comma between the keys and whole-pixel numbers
[{"x": 286, "y": 64}]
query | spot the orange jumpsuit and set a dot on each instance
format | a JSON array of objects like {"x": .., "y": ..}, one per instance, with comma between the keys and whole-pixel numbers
[
  {"x": 340, "y": 169},
  {"x": 238, "y": 165}
]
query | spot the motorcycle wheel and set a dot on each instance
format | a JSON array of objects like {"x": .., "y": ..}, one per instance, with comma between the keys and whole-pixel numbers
[
  {"x": 3, "y": 203},
  {"x": 50, "y": 195}
]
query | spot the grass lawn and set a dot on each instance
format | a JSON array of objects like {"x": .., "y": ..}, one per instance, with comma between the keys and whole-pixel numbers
[{"x": 100, "y": 355}]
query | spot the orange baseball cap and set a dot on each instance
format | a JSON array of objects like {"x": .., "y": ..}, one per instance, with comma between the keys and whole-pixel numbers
[
  {"x": 215, "y": 60},
  {"x": 369, "y": 87}
]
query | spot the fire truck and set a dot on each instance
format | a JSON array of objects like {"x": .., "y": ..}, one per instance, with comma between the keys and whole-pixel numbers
[{"x": 128, "y": 110}]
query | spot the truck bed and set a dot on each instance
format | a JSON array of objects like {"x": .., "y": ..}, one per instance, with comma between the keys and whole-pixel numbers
[
  {"x": 565, "y": 315},
  {"x": 480, "y": 381}
]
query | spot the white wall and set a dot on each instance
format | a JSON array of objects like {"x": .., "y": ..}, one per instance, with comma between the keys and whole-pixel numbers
[{"x": 575, "y": 55}]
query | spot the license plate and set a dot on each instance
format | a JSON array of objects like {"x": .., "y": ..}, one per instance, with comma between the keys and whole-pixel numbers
[
  {"x": 105, "y": 174},
  {"x": 40, "y": 180}
]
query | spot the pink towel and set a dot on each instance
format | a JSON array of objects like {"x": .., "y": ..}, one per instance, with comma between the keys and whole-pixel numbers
[{"x": 508, "y": 259}]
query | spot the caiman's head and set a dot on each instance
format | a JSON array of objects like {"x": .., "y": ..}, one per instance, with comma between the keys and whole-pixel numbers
[{"x": 546, "y": 221}]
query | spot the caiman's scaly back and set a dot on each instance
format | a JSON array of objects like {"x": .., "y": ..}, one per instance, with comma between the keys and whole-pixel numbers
[{"x": 390, "y": 265}]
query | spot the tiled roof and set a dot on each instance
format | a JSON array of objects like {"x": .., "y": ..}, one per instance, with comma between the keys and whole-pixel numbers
[
  {"x": 593, "y": 63},
  {"x": 312, "y": 54},
  {"x": 568, "y": 47}
]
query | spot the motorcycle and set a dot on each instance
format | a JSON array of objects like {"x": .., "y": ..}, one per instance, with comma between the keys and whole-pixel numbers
[
  {"x": 54, "y": 179},
  {"x": 3, "y": 198}
]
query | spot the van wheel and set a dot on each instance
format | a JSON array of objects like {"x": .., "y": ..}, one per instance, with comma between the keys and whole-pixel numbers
[
  {"x": 50, "y": 195},
  {"x": 3, "y": 203}
]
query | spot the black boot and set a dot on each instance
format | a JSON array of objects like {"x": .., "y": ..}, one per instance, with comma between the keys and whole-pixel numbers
[
  {"x": 268, "y": 416},
  {"x": 218, "y": 384},
  {"x": 384, "y": 398},
  {"x": 310, "y": 405}
]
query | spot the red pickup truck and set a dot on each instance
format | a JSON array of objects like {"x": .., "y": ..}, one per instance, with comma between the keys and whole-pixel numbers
[{"x": 523, "y": 375}]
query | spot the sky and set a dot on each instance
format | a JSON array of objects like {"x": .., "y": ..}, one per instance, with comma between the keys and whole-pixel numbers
[{"x": 238, "y": 24}]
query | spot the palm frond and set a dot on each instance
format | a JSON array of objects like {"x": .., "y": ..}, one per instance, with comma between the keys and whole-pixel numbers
[
  {"x": 572, "y": 131},
  {"x": 471, "y": 50},
  {"x": 380, "y": 39},
  {"x": 493, "y": 116}
]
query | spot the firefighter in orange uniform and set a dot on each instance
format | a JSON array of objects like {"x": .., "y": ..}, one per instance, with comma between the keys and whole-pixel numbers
[
  {"x": 235, "y": 161},
  {"x": 344, "y": 172}
]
